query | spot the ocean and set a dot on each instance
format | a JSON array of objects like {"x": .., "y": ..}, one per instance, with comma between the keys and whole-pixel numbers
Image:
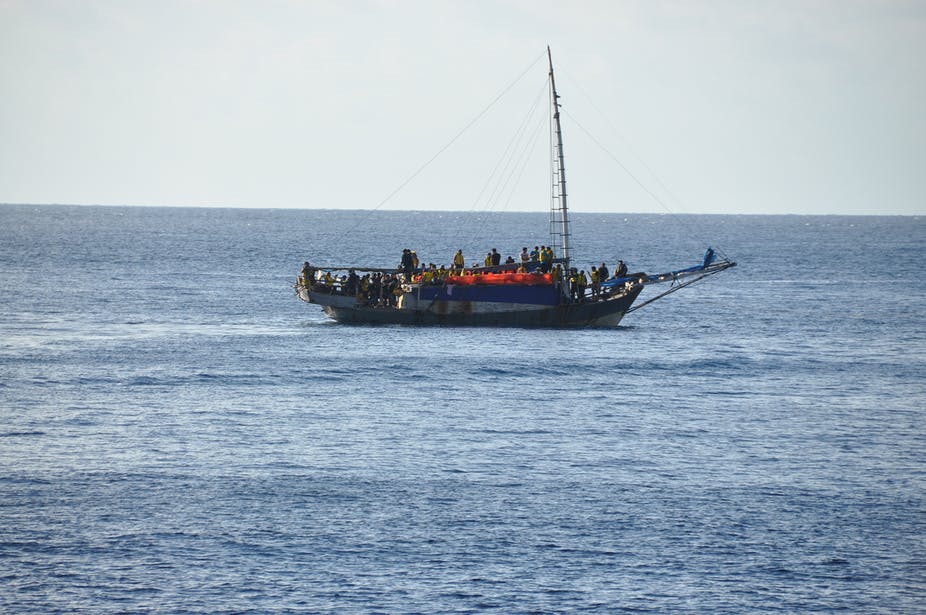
[{"x": 179, "y": 433}]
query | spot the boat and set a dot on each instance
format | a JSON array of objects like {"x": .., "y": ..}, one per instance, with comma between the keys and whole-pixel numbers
[{"x": 543, "y": 290}]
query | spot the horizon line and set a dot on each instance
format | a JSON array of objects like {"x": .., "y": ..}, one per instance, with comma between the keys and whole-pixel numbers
[{"x": 398, "y": 210}]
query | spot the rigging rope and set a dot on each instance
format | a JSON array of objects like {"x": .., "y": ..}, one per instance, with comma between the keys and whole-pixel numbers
[
  {"x": 502, "y": 173},
  {"x": 446, "y": 146},
  {"x": 617, "y": 160},
  {"x": 652, "y": 173},
  {"x": 457, "y": 136}
]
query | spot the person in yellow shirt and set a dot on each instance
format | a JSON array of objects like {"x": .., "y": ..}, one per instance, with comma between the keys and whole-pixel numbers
[
  {"x": 365, "y": 287},
  {"x": 581, "y": 285},
  {"x": 546, "y": 258},
  {"x": 458, "y": 261}
]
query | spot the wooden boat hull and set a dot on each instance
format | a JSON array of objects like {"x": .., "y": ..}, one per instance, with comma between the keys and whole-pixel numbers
[{"x": 459, "y": 311}]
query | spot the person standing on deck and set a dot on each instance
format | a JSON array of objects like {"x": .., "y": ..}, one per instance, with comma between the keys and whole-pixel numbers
[
  {"x": 308, "y": 274},
  {"x": 408, "y": 264},
  {"x": 557, "y": 275},
  {"x": 546, "y": 259},
  {"x": 581, "y": 283}
]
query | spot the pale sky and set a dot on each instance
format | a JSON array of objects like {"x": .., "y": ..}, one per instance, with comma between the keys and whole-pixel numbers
[{"x": 740, "y": 106}]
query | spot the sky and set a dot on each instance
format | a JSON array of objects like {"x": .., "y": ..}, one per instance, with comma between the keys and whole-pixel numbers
[{"x": 739, "y": 106}]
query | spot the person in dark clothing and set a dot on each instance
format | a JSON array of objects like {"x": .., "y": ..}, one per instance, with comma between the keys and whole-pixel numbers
[
  {"x": 389, "y": 296},
  {"x": 350, "y": 287},
  {"x": 408, "y": 264},
  {"x": 308, "y": 274},
  {"x": 621, "y": 269},
  {"x": 376, "y": 288},
  {"x": 496, "y": 258}
]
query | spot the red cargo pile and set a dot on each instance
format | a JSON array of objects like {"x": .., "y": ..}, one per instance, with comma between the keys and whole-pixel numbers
[{"x": 520, "y": 279}]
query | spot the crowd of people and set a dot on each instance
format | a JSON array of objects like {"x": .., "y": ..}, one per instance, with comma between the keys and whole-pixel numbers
[
  {"x": 377, "y": 289},
  {"x": 384, "y": 288}
]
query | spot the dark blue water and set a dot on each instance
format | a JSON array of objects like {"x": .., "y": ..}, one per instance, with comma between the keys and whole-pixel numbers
[{"x": 179, "y": 433}]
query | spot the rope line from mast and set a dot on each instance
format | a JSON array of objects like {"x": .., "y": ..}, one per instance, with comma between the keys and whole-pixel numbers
[
  {"x": 639, "y": 182},
  {"x": 642, "y": 162},
  {"x": 517, "y": 153},
  {"x": 458, "y": 135},
  {"x": 364, "y": 219}
]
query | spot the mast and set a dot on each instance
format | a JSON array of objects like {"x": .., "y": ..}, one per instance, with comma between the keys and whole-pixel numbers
[{"x": 561, "y": 165}]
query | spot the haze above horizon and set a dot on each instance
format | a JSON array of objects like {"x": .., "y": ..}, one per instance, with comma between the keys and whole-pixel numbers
[{"x": 704, "y": 107}]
